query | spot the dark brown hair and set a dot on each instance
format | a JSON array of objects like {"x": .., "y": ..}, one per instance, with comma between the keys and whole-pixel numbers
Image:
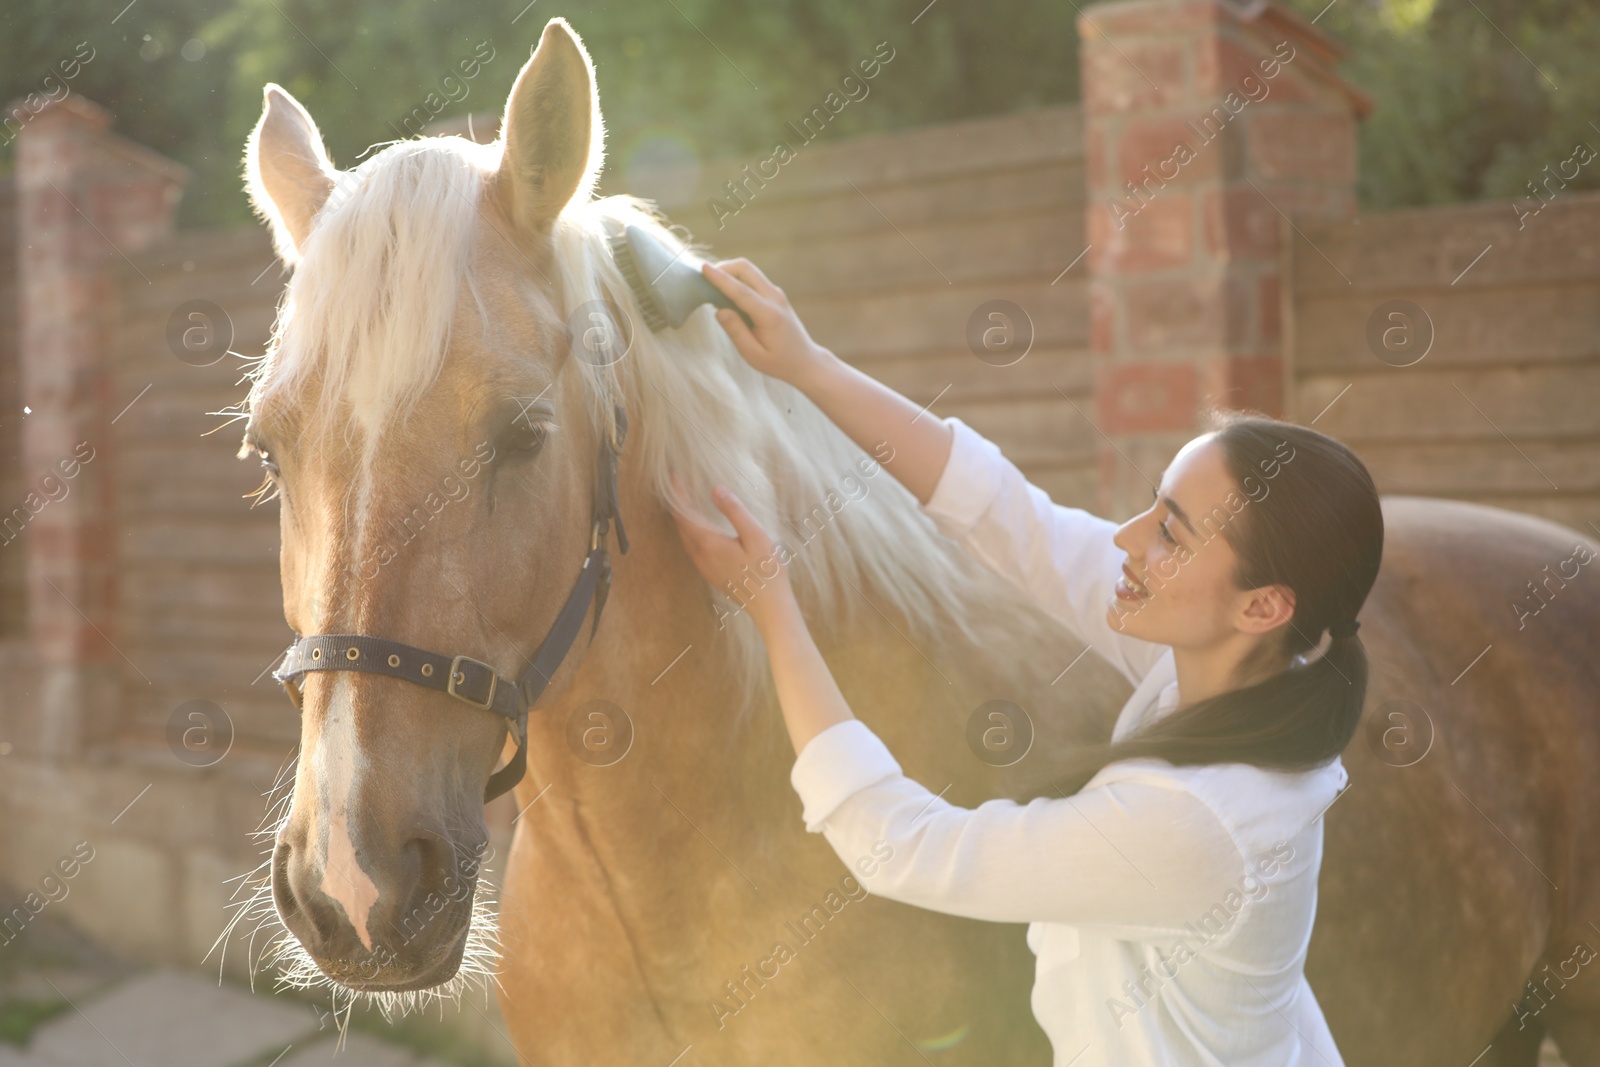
[{"x": 1318, "y": 530}]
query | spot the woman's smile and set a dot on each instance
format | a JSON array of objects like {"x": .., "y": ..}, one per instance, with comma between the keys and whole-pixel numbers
[{"x": 1129, "y": 587}]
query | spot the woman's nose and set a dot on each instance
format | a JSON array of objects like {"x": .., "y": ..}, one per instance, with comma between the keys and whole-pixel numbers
[{"x": 1128, "y": 538}]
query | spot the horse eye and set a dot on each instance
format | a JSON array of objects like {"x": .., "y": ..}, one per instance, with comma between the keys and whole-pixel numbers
[
  {"x": 525, "y": 437},
  {"x": 263, "y": 449}
]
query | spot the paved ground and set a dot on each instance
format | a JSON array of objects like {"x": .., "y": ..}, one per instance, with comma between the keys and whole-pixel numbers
[
  {"x": 65, "y": 1002},
  {"x": 166, "y": 1018}
]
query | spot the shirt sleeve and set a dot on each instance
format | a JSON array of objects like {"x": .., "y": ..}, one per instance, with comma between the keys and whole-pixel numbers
[
  {"x": 1140, "y": 858},
  {"x": 1061, "y": 558}
]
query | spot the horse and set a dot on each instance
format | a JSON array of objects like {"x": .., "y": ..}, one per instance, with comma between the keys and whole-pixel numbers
[{"x": 435, "y": 424}]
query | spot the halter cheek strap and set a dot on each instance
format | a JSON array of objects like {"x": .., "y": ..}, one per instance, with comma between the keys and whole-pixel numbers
[{"x": 470, "y": 680}]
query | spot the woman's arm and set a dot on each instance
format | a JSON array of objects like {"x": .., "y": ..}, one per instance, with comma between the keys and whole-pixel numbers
[
  {"x": 1139, "y": 857},
  {"x": 867, "y": 411},
  {"x": 1060, "y": 558}
]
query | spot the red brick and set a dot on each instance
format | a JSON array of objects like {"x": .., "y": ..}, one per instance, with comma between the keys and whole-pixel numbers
[
  {"x": 1102, "y": 318},
  {"x": 1159, "y": 17},
  {"x": 1239, "y": 311},
  {"x": 1097, "y": 168},
  {"x": 125, "y": 196},
  {"x": 1268, "y": 299},
  {"x": 1150, "y": 154},
  {"x": 1240, "y": 225},
  {"x": 1146, "y": 397},
  {"x": 1106, "y": 461},
  {"x": 1223, "y": 65},
  {"x": 1291, "y": 145},
  {"x": 1254, "y": 382},
  {"x": 1163, "y": 314},
  {"x": 1148, "y": 236},
  {"x": 1132, "y": 76}
]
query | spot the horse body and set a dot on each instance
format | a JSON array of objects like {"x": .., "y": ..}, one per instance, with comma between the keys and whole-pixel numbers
[
  {"x": 1449, "y": 882},
  {"x": 670, "y": 899}
]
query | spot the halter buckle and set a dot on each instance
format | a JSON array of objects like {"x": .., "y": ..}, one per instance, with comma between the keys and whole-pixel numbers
[{"x": 459, "y": 677}]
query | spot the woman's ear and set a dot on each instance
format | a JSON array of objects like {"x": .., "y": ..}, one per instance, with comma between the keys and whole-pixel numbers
[{"x": 1268, "y": 608}]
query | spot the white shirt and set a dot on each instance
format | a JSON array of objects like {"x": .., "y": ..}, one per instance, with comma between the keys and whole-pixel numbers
[{"x": 1169, "y": 908}]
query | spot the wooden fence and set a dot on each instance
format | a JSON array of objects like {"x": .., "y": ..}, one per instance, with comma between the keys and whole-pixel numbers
[{"x": 1502, "y": 403}]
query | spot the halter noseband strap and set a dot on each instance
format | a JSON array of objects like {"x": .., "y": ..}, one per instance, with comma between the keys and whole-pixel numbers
[{"x": 473, "y": 681}]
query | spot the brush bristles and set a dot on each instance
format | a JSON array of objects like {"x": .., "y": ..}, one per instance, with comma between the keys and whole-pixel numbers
[{"x": 643, "y": 294}]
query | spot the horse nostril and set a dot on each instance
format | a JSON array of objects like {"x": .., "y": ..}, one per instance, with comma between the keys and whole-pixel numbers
[
  {"x": 298, "y": 899},
  {"x": 439, "y": 878},
  {"x": 282, "y": 895}
]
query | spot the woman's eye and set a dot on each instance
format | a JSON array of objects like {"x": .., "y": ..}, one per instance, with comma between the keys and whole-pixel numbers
[{"x": 1166, "y": 534}]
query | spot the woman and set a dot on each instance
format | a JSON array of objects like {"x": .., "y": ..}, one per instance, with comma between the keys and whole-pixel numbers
[{"x": 1171, "y": 897}]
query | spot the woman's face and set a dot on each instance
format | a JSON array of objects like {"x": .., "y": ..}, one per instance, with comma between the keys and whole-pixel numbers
[{"x": 1181, "y": 591}]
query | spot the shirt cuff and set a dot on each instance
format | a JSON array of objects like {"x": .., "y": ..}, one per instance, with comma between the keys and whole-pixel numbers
[
  {"x": 970, "y": 481},
  {"x": 841, "y": 760}
]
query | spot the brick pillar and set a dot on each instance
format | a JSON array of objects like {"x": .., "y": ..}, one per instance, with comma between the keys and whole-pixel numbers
[
  {"x": 86, "y": 200},
  {"x": 1207, "y": 124}
]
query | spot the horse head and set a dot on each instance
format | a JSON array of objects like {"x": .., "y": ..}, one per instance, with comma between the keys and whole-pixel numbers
[{"x": 435, "y": 448}]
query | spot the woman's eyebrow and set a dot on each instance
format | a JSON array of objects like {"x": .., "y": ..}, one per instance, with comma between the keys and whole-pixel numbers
[{"x": 1172, "y": 506}]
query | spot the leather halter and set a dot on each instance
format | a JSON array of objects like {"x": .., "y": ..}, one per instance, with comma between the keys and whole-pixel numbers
[{"x": 470, "y": 680}]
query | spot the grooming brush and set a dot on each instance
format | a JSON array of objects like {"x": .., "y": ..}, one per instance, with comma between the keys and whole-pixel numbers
[{"x": 668, "y": 286}]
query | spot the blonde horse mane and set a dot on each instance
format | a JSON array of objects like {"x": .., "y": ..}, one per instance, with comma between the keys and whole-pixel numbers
[{"x": 369, "y": 311}]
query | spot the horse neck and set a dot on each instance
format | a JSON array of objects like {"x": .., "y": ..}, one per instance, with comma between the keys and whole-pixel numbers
[{"x": 660, "y": 656}]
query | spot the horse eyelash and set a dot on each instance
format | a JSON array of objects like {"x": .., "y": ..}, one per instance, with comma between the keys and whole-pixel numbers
[{"x": 261, "y": 494}]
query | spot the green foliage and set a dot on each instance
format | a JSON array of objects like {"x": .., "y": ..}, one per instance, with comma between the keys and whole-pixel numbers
[
  {"x": 691, "y": 78},
  {"x": 20, "y": 1018},
  {"x": 1467, "y": 99},
  {"x": 1467, "y": 104}
]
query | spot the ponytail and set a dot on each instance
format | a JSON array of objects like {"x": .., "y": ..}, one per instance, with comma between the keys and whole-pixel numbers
[{"x": 1320, "y": 532}]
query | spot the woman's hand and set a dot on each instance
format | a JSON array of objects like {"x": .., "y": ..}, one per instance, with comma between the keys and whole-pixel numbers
[
  {"x": 779, "y": 344},
  {"x": 807, "y": 692},
  {"x": 747, "y": 567}
]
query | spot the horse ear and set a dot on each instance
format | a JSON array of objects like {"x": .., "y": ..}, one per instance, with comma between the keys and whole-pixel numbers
[
  {"x": 553, "y": 139},
  {"x": 287, "y": 171}
]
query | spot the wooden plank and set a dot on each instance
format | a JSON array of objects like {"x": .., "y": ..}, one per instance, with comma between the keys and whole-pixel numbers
[
  {"x": 935, "y": 319},
  {"x": 898, "y": 257},
  {"x": 1054, "y": 188},
  {"x": 142, "y": 341},
  {"x": 1546, "y": 323},
  {"x": 1460, "y": 468},
  {"x": 1042, "y": 432},
  {"x": 220, "y": 544},
  {"x": 923, "y": 376},
  {"x": 1551, "y": 403},
  {"x": 162, "y": 585},
  {"x": 1070, "y": 486},
  {"x": 1053, "y": 134},
  {"x": 275, "y": 723},
  {"x": 1432, "y": 247}
]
